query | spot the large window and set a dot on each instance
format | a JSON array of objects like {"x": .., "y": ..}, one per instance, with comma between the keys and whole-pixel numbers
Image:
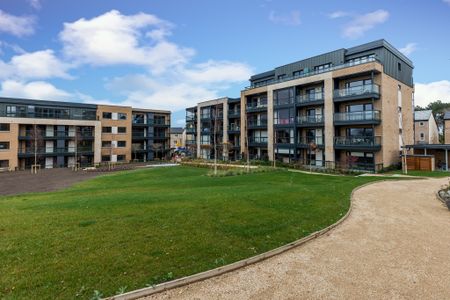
[
  {"x": 284, "y": 116},
  {"x": 4, "y": 163},
  {"x": 122, "y": 130},
  {"x": 4, "y": 145},
  {"x": 121, "y": 144},
  {"x": 358, "y": 83},
  {"x": 361, "y": 59},
  {"x": 359, "y": 107},
  {"x": 122, "y": 116},
  {"x": 106, "y": 144},
  {"x": 284, "y": 96},
  {"x": 323, "y": 67},
  {"x": 284, "y": 136},
  {"x": 107, "y": 115},
  {"x": 106, "y": 129},
  {"x": 298, "y": 73},
  {"x": 360, "y": 132},
  {"x": 106, "y": 158},
  {"x": 121, "y": 157},
  {"x": 4, "y": 127},
  {"x": 360, "y": 158}
]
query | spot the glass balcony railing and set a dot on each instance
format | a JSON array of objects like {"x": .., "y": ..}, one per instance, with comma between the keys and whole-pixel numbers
[
  {"x": 284, "y": 121},
  {"x": 55, "y": 151},
  {"x": 31, "y": 134},
  {"x": 302, "y": 99},
  {"x": 367, "y": 89},
  {"x": 304, "y": 120},
  {"x": 358, "y": 141},
  {"x": 257, "y": 140},
  {"x": 257, "y": 123},
  {"x": 234, "y": 113},
  {"x": 308, "y": 73},
  {"x": 358, "y": 116},
  {"x": 234, "y": 127},
  {"x": 256, "y": 106},
  {"x": 308, "y": 140}
]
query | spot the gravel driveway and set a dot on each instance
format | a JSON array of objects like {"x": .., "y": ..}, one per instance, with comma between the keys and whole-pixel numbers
[{"x": 394, "y": 245}]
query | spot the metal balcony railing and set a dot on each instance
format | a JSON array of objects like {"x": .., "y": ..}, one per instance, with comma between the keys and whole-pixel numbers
[
  {"x": 358, "y": 141},
  {"x": 302, "y": 99},
  {"x": 308, "y": 140},
  {"x": 257, "y": 123},
  {"x": 257, "y": 140},
  {"x": 305, "y": 120}
]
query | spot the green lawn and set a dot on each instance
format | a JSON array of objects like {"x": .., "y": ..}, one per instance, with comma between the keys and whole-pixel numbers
[
  {"x": 142, "y": 227},
  {"x": 423, "y": 173}
]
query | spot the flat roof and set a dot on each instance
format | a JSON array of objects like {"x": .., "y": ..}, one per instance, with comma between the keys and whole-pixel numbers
[
  {"x": 430, "y": 146},
  {"x": 46, "y": 102}
]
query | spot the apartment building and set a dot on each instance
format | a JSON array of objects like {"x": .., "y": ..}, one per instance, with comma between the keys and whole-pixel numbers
[
  {"x": 64, "y": 134},
  {"x": 214, "y": 126},
  {"x": 349, "y": 108},
  {"x": 177, "y": 137},
  {"x": 425, "y": 128}
]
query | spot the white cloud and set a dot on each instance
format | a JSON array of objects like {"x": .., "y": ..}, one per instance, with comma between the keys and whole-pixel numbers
[
  {"x": 33, "y": 90},
  {"x": 218, "y": 71},
  {"x": 36, "y": 4},
  {"x": 429, "y": 92},
  {"x": 14, "y": 47},
  {"x": 292, "y": 18},
  {"x": 18, "y": 26},
  {"x": 338, "y": 14},
  {"x": 113, "y": 38},
  {"x": 409, "y": 48},
  {"x": 362, "y": 23},
  {"x": 34, "y": 65}
]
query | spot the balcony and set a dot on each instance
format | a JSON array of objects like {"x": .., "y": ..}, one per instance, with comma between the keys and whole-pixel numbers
[
  {"x": 139, "y": 122},
  {"x": 257, "y": 107},
  {"x": 66, "y": 151},
  {"x": 235, "y": 113},
  {"x": 257, "y": 142},
  {"x": 284, "y": 122},
  {"x": 55, "y": 135},
  {"x": 359, "y": 117},
  {"x": 307, "y": 141},
  {"x": 355, "y": 166},
  {"x": 309, "y": 73},
  {"x": 368, "y": 91},
  {"x": 160, "y": 137},
  {"x": 257, "y": 124},
  {"x": 310, "y": 99},
  {"x": 284, "y": 142},
  {"x": 159, "y": 123},
  {"x": 369, "y": 143},
  {"x": 310, "y": 121},
  {"x": 139, "y": 136},
  {"x": 191, "y": 130},
  {"x": 191, "y": 118},
  {"x": 234, "y": 128}
]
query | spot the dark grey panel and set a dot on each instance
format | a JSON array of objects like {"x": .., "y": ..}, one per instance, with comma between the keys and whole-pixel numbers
[{"x": 46, "y": 103}]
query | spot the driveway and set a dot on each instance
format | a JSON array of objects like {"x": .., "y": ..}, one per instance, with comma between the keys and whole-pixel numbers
[{"x": 394, "y": 245}]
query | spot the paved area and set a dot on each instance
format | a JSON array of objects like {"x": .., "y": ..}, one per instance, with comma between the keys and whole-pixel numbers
[
  {"x": 46, "y": 180},
  {"x": 394, "y": 245}
]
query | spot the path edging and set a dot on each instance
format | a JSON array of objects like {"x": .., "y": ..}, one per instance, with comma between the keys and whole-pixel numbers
[{"x": 236, "y": 265}]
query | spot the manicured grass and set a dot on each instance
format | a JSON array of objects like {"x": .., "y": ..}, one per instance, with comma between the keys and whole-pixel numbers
[
  {"x": 139, "y": 228},
  {"x": 423, "y": 173}
]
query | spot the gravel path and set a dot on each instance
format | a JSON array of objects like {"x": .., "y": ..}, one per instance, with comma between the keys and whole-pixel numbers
[{"x": 394, "y": 245}]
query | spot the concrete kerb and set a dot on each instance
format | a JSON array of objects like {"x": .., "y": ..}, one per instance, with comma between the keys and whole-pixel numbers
[{"x": 237, "y": 265}]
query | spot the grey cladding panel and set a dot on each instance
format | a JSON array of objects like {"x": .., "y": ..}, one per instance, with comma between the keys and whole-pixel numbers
[{"x": 335, "y": 57}]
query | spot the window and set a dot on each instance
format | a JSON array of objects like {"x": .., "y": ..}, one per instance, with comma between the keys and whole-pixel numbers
[
  {"x": 122, "y": 116},
  {"x": 422, "y": 136},
  {"x": 361, "y": 59},
  {"x": 106, "y": 158},
  {"x": 4, "y": 127},
  {"x": 360, "y": 132},
  {"x": 107, "y": 115},
  {"x": 322, "y": 67},
  {"x": 4, "y": 145},
  {"x": 106, "y": 144},
  {"x": 121, "y": 144},
  {"x": 4, "y": 163},
  {"x": 284, "y": 96},
  {"x": 284, "y": 116},
  {"x": 122, "y": 130},
  {"x": 106, "y": 129},
  {"x": 121, "y": 157},
  {"x": 10, "y": 111},
  {"x": 282, "y": 76},
  {"x": 399, "y": 67},
  {"x": 298, "y": 73},
  {"x": 358, "y": 83},
  {"x": 359, "y": 107}
]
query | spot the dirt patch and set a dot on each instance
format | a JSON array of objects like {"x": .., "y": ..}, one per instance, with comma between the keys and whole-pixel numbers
[
  {"x": 45, "y": 181},
  {"x": 394, "y": 245}
]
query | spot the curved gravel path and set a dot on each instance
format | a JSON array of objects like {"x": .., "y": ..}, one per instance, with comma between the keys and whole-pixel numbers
[{"x": 394, "y": 245}]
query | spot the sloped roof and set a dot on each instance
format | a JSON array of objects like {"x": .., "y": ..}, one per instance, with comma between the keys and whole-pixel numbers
[
  {"x": 176, "y": 130},
  {"x": 422, "y": 115},
  {"x": 447, "y": 115}
]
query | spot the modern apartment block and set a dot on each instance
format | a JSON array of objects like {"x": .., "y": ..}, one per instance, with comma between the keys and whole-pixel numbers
[
  {"x": 425, "y": 128},
  {"x": 214, "y": 125},
  {"x": 64, "y": 134},
  {"x": 349, "y": 108}
]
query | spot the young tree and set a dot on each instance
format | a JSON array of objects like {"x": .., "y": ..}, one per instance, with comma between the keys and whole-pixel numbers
[{"x": 37, "y": 144}]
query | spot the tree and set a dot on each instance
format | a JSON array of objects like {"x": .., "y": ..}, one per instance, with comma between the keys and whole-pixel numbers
[{"x": 37, "y": 146}]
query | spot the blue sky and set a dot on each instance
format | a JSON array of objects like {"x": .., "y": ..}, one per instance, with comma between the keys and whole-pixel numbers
[{"x": 171, "y": 54}]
